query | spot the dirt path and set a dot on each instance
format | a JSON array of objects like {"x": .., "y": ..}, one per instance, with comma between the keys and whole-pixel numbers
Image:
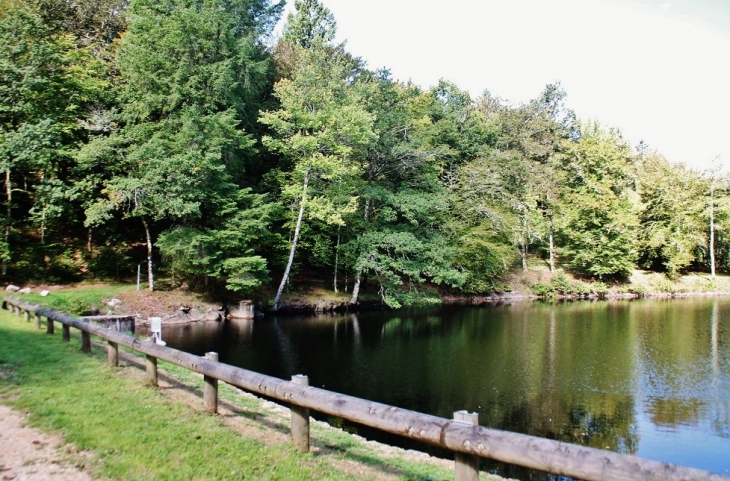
[{"x": 29, "y": 454}]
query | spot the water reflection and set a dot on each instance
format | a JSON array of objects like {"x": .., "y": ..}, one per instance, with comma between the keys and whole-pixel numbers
[{"x": 646, "y": 377}]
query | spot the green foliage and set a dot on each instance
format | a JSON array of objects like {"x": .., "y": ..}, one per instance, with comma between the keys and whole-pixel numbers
[
  {"x": 167, "y": 113},
  {"x": 311, "y": 24},
  {"x": 225, "y": 251},
  {"x": 560, "y": 285},
  {"x": 673, "y": 224},
  {"x": 599, "y": 219},
  {"x": 600, "y": 288},
  {"x": 47, "y": 82},
  {"x": 662, "y": 284},
  {"x": 544, "y": 290}
]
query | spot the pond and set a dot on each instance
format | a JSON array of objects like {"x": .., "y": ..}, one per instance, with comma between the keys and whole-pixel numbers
[{"x": 643, "y": 377}]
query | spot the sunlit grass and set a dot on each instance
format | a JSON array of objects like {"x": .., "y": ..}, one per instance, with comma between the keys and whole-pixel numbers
[
  {"x": 135, "y": 432},
  {"x": 132, "y": 431}
]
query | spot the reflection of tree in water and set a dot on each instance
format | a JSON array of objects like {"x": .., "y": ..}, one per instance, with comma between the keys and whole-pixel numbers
[
  {"x": 603, "y": 424},
  {"x": 606, "y": 424},
  {"x": 721, "y": 419},
  {"x": 675, "y": 412}
]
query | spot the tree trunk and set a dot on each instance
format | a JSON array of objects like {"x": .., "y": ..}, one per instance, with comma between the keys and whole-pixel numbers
[
  {"x": 337, "y": 256},
  {"x": 9, "y": 192},
  {"x": 523, "y": 253},
  {"x": 356, "y": 288},
  {"x": 552, "y": 245},
  {"x": 712, "y": 230},
  {"x": 294, "y": 242},
  {"x": 358, "y": 278},
  {"x": 149, "y": 255}
]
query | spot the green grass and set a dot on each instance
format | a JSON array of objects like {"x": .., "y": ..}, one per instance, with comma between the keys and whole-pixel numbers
[
  {"x": 79, "y": 299},
  {"x": 133, "y": 431},
  {"x": 342, "y": 444}
]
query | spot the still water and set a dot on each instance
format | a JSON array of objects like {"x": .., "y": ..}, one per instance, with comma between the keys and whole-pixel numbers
[{"x": 644, "y": 377}]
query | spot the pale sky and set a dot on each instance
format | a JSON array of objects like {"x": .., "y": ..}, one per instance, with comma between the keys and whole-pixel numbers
[{"x": 658, "y": 70}]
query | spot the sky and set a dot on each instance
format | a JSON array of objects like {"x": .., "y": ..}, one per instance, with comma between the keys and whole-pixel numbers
[{"x": 659, "y": 70}]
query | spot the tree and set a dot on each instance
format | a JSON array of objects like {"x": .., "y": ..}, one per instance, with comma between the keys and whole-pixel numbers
[
  {"x": 672, "y": 216},
  {"x": 399, "y": 235},
  {"x": 716, "y": 189},
  {"x": 311, "y": 25},
  {"x": 599, "y": 220},
  {"x": 193, "y": 73},
  {"x": 535, "y": 132},
  {"x": 323, "y": 130},
  {"x": 46, "y": 85},
  {"x": 488, "y": 210}
]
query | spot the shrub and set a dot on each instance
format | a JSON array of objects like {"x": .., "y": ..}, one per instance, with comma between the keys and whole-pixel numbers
[
  {"x": 542, "y": 289},
  {"x": 600, "y": 288},
  {"x": 562, "y": 284},
  {"x": 664, "y": 285}
]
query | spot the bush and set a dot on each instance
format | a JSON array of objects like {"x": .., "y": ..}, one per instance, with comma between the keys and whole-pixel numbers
[
  {"x": 562, "y": 285},
  {"x": 600, "y": 288},
  {"x": 543, "y": 289},
  {"x": 664, "y": 285},
  {"x": 71, "y": 305}
]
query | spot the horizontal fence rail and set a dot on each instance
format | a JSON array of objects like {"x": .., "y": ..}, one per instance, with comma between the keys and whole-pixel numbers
[{"x": 457, "y": 435}]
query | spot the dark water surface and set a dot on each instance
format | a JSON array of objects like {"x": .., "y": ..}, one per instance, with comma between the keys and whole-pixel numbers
[{"x": 645, "y": 377}]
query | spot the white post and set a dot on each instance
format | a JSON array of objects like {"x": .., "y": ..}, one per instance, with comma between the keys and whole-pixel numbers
[
  {"x": 156, "y": 330},
  {"x": 139, "y": 270}
]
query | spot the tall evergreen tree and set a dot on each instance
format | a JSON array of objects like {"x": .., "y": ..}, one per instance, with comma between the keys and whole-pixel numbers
[{"x": 193, "y": 74}]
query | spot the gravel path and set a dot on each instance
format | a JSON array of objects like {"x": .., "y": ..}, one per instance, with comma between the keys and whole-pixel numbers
[{"x": 29, "y": 454}]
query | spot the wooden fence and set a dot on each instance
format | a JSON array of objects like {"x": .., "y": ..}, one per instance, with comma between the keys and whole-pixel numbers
[{"x": 461, "y": 435}]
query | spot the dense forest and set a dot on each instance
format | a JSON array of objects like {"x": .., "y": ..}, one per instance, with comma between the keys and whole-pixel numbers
[{"x": 182, "y": 135}]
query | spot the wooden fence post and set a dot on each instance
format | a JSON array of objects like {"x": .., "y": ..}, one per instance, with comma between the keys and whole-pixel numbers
[
  {"x": 49, "y": 325},
  {"x": 27, "y": 316},
  {"x": 66, "y": 332},
  {"x": 19, "y": 311},
  {"x": 151, "y": 365},
  {"x": 210, "y": 387},
  {"x": 300, "y": 419},
  {"x": 466, "y": 466},
  {"x": 85, "y": 341},
  {"x": 37, "y": 320},
  {"x": 112, "y": 351}
]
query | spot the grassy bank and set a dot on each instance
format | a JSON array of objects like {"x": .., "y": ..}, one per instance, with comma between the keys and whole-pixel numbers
[{"x": 122, "y": 429}]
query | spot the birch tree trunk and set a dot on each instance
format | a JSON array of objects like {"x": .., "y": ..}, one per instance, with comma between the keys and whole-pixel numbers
[
  {"x": 149, "y": 255},
  {"x": 9, "y": 192},
  {"x": 358, "y": 278},
  {"x": 337, "y": 257},
  {"x": 552, "y": 244},
  {"x": 356, "y": 288},
  {"x": 712, "y": 229},
  {"x": 294, "y": 242}
]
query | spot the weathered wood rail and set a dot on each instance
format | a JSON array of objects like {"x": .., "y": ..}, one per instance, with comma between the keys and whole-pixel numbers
[{"x": 467, "y": 440}]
